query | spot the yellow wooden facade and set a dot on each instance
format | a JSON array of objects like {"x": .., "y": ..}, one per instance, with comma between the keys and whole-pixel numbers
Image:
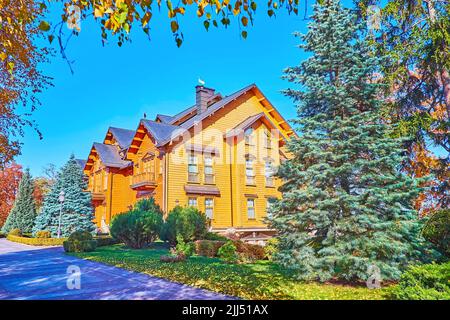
[{"x": 222, "y": 163}]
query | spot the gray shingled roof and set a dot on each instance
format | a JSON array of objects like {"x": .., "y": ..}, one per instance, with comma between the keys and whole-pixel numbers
[
  {"x": 109, "y": 155},
  {"x": 122, "y": 136},
  {"x": 162, "y": 132},
  {"x": 165, "y": 118}
]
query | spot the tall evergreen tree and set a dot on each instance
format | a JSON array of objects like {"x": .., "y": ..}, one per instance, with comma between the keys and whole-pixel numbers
[
  {"x": 345, "y": 207},
  {"x": 77, "y": 213},
  {"x": 23, "y": 212}
]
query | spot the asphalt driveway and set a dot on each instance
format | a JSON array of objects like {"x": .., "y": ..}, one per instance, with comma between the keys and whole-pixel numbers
[{"x": 28, "y": 272}]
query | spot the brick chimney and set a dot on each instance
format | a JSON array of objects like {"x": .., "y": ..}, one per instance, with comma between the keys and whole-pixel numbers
[{"x": 202, "y": 96}]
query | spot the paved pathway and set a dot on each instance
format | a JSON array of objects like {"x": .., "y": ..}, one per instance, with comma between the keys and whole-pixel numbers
[{"x": 28, "y": 272}]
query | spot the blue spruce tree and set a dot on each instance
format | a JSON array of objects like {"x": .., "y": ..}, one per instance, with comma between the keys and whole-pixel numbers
[
  {"x": 23, "y": 212},
  {"x": 77, "y": 213},
  {"x": 346, "y": 208}
]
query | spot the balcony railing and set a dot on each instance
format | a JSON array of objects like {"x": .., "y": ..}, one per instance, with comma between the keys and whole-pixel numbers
[{"x": 143, "y": 180}]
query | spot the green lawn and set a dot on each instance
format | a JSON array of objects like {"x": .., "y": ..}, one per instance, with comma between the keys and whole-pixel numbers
[{"x": 261, "y": 280}]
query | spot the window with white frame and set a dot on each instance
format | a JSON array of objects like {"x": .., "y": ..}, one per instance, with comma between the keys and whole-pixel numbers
[
  {"x": 248, "y": 134},
  {"x": 251, "y": 208},
  {"x": 269, "y": 172},
  {"x": 192, "y": 202},
  {"x": 249, "y": 171},
  {"x": 209, "y": 207},
  {"x": 192, "y": 168},
  {"x": 208, "y": 169}
]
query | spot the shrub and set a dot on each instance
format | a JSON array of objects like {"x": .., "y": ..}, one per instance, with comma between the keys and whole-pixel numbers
[
  {"x": 437, "y": 230},
  {"x": 80, "y": 236},
  {"x": 186, "y": 249},
  {"x": 188, "y": 222},
  {"x": 43, "y": 234},
  {"x": 137, "y": 228},
  {"x": 15, "y": 232},
  {"x": 227, "y": 252},
  {"x": 80, "y": 241},
  {"x": 249, "y": 252},
  {"x": 208, "y": 248},
  {"x": 424, "y": 282},
  {"x": 271, "y": 248},
  {"x": 215, "y": 236},
  {"x": 80, "y": 246},
  {"x": 2, "y": 235},
  {"x": 105, "y": 241},
  {"x": 37, "y": 241}
]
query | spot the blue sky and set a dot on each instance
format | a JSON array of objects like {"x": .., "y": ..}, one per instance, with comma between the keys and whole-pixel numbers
[{"x": 114, "y": 86}]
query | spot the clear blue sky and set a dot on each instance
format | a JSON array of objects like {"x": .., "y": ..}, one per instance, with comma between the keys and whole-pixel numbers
[{"x": 114, "y": 86}]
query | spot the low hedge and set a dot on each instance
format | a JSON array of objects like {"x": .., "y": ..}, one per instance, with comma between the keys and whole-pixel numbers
[
  {"x": 424, "y": 282},
  {"x": 80, "y": 245},
  {"x": 37, "y": 241},
  {"x": 80, "y": 241},
  {"x": 247, "y": 252},
  {"x": 105, "y": 241},
  {"x": 208, "y": 248}
]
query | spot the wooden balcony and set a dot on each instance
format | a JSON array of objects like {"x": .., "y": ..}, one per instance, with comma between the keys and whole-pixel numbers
[{"x": 143, "y": 181}]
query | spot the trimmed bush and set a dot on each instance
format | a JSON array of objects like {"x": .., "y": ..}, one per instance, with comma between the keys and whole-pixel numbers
[
  {"x": 188, "y": 222},
  {"x": 137, "y": 228},
  {"x": 80, "y": 241},
  {"x": 437, "y": 231},
  {"x": 43, "y": 234},
  {"x": 249, "y": 252},
  {"x": 424, "y": 282},
  {"x": 37, "y": 241},
  {"x": 228, "y": 253},
  {"x": 208, "y": 248},
  {"x": 15, "y": 232},
  {"x": 80, "y": 245},
  {"x": 105, "y": 241},
  {"x": 215, "y": 236}
]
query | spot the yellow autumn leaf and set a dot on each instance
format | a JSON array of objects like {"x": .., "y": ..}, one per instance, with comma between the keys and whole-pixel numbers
[
  {"x": 98, "y": 12},
  {"x": 3, "y": 56}
]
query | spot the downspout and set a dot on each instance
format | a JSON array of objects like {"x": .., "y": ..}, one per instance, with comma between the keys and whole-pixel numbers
[
  {"x": 111, "y": 197},
  {"x": 231, "y": 183},
  {"x": 166, "y": 182}
]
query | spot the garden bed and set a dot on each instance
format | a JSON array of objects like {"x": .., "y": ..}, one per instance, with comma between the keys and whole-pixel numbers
[{"x": 260, "y": 280}]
